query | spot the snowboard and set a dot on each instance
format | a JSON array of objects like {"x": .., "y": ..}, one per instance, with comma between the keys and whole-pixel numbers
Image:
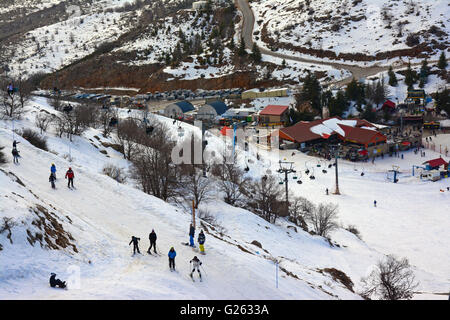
[{"x": 187, "y": 244}]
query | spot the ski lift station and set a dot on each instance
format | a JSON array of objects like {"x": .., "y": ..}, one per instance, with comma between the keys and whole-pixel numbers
[
  {"x": 178, "y": 109},
  {"x": 433, "y": 170}
]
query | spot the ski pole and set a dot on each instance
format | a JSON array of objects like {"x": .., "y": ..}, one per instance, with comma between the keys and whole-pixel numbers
[{"x": 203, "y": 269}]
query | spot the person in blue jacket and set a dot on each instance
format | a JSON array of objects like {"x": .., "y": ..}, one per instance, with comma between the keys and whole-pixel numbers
[
  {"x": 172, "y": 254},
  {"x": 53, "y": 170}
]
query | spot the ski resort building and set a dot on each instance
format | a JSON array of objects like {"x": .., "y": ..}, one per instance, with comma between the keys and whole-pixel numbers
[
  {"x": 178, "y": 109},
  {"x": 211, "y": 110},
  {"x": 274, "y": 115},
  {"x": 263, "y": 93},
  {"x": 356, "y": 134}
]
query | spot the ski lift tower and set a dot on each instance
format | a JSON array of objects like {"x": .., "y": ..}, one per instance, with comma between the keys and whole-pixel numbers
[
  {"x": 336, "y": 156},
  {"x": 286, "y": 167}
]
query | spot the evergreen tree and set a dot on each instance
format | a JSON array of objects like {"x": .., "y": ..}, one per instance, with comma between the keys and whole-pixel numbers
[
  {"x": 422, "y": 83},
  {"x": 353, "y": 91},
  {"x": 256, "y": 54},
  {"x": 424, "y": 71},
  {"x": 242, "y": 51},
  {"x": 312, "y": 91},
  {"x": 443, "y": 100},
  {"x": 442, "y": 64},
  {"x": 369, "y": 114},
  {"x": 409, "y": 77},
  {"x": 392, "y": 77},
  {"x": 338, "y": 105}
]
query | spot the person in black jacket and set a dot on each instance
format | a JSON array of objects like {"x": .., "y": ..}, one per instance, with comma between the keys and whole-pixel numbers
[
  {"x": 135, "y": 240},
  {"x": 152, "y": 238},
  {"x": 52, "y": 179},
  {"x": 201, "y": 241},
  {"x": 16, "y": 155},
  {"x": 56, "y": 282},
  {"x": 191, "y": 235}
]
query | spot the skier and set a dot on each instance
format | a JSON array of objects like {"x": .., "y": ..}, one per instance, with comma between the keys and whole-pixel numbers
[
  {"x": 53, "y": 170},
  {"x": 16, "y": 155},
  {"x": 52, "y": 179},
  {"x": 152, "y": 237},
  {"x": 172, "y": 254},
  {"x": 191, "y": 235},
  {"x": 201, "y": 241},
  {"x": 70, "y": 175},
  {"x": 15, "y": 143},
  {"x": 135, "y": 240},
  {"x": 374, "y": 203},
  {"x": 10, "y": 89},
  {"x": 326, "y": 191},
  {"x": 56, "y": 282},
  {"x": 196, "y": 265}
]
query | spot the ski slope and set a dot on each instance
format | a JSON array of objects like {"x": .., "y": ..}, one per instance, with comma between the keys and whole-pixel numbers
[{"x": 102, "y": 215}]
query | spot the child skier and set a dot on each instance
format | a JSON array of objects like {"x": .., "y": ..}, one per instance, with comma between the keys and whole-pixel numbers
[
  {"x": 52, "y": 179},
  {"x": 135, "y": 240},
  {"x": 196, "y": 265},
  {"x": 53, "y": 170},
  {"x": 201, "y": 241},
  {"x": 172, "y": 254}
]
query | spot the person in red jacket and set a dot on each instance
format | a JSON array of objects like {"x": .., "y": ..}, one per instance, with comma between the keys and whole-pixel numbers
[{"x": 70, "y": 176}]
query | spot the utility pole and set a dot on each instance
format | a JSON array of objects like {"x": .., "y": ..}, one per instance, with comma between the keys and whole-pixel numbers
[
  {"x": 202, "y": 127},
  {"x": 286, "y": 168}
]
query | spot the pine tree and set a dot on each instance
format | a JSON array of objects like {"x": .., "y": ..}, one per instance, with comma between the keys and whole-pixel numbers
[
  {"x": 392, "y": 77},
  {"x": 256, "y": 54},
  {"x": 312, "y": 91},
  {"x": 242, "y": 51},
  {"x": 409, "y": 77},
  {"x": 424, "y": 71},
  {"x": 422, "y": 83},
  {"x": 442, "y": 64}
]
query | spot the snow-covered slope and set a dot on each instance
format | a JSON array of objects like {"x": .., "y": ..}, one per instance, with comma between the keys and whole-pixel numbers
[
  {"x": 366, "y": 27},
  {"x": 101, "y": 215}
]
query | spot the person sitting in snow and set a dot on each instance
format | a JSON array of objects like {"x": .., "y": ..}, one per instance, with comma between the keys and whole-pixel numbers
[{"x": 56, "y": 282}]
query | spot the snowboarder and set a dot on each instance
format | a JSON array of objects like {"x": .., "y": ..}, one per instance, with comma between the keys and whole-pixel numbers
[
  {"x": 196, "y": 265},
  {"x": 16, "y": 155},
  {"x": 201, "y": 241},
  {"x": 172, "y": 254},
  {"x": 70, "y": 175},
  {"x": 56, "y": 282},
  {"x": 374, "y": 203},
  {"x": 53, "y": 170},
  {"x": 152, "y": 238},
  {"x": 135, "y": 240},
  {"x": 191, "y": 235},
  {"x": 52, "y": 179}
]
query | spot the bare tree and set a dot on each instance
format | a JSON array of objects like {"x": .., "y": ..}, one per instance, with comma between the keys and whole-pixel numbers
[
  {"x": 323, "y": 218},
  {"x": 129, "y": 136},
  {"x": 10, "y": 103},
  {"x": 392, "y": 280},
  {"x": 24, "y": 91},
  {"x": 42, "y": 121},
  {"x": 153, "y": 167},
  {"x": 263, "y": 197},
  {"x": 299, "y": 209},
  {"x": 232, "y": 181},
  {"x": 193, "y": 185},
  {"x": 104, "y": 119}
]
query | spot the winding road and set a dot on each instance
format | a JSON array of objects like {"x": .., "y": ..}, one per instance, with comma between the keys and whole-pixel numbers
[{"x": 247, "y": 33}]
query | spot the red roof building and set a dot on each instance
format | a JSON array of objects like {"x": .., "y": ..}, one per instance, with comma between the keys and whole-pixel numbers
[
  {"x": 274, "y": 114},
  {"x": 365, "y": 137},
  {"x": 388, "y": 105},
  {"x": 436, "y": 163}
]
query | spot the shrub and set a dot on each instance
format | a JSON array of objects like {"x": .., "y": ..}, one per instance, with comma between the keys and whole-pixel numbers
[
  {"x": 35, "y": 139},
  {"x": 2, "y": 156},
  {"x": 412, "y": 40},
  {"x": 352, "y": 229},
  {"x": 115, "y": 172}
]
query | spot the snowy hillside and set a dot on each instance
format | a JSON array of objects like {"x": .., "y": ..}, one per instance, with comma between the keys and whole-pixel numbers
[
  {"x": 352, "y": 30},
  {"x": 87, "y": 230}
]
